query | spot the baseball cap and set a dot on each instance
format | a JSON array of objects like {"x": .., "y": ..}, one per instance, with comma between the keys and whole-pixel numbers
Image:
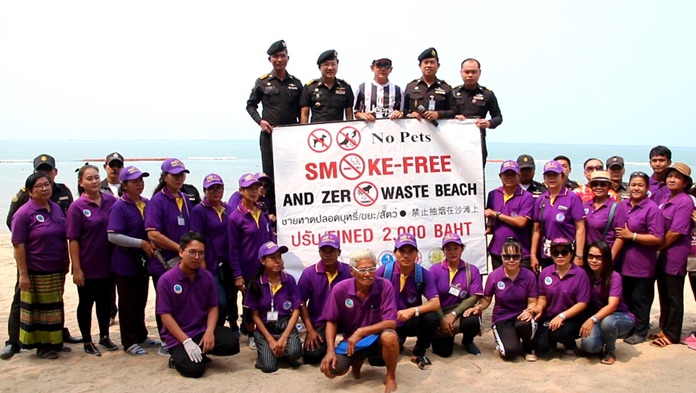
[
  {"x": 561, "y": 241},
  {"x": 131, "y": 173},
  {"x": 44, "y": 160},
  {"x": 330, "y": 240},
  {"x": 451, "y": 238},
  {"x": 114, "y": 157},
  {"x": 174, "y": 166},
  {"x": 269, "y": 248},
  {"x": 509, "y": 165},
  {"x": 247, "y": 180},
  {"x": 212, "y": 179},
  {"x": 405, "y": 239},
  {"x": 553, "y": 166}
]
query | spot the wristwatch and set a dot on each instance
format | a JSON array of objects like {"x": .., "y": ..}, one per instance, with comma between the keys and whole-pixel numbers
[
  {"x": 562, "y": 316},
  {"x": 594, "y": 319}
]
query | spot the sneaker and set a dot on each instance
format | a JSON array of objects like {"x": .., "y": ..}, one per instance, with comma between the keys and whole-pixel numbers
[
  {"x": 252, "y": 343},
  {"x": 91, "y": 349},
  {"x": 688, "y": 339},
  {"x": 530, "y": 357},
  {"x": 163, "y": 350},
  {"x": 634, "y": 339},
  {"x": 691, "y": 346},
  {"x": 151, "y": 343},
  {"x": 136, "y": 350},
  {"x": 108, "y": 344}
]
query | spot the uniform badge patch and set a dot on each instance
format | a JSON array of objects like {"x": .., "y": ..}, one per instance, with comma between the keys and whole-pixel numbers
[
  {"x": 501, "y": 285},
  {"x": 87, "y": 213},
  {"x": 178, "y": 289},
  {"x": 287, "y": 305},
  {"x": 548, "y": 280},
  {"x": 349, "y": 303},
  {"x": 40, "y": 218}
]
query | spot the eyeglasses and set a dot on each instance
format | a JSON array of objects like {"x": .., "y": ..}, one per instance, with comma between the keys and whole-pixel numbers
[
  {"x": 511, "y": 257},
  {"x": 594, "y": 257},
  {"x": 594, "y": 168},
  {"x": 364, "y": 269},
  {"x": 42, "y": 186},
  {"x": 196, "y": 254},
  {"x": 560, "y": 252},
  {"x": 383, "y": 65}
]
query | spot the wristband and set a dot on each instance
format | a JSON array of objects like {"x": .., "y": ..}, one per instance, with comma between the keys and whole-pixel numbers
[
  {"x": 417, "y": 313},
  {"x": 497, "y": 214},
  {"x": 562, "y": 316},
  {"x": 634, "y": 236}
]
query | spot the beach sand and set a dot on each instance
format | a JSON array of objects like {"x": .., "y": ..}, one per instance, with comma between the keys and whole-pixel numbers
[{"x": 639, "y": 368}]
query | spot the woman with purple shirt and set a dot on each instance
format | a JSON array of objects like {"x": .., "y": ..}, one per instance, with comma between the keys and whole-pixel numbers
[
  {"x": 515, "y": 291},
  {"x": 275, "y": 307},
  {"x": 564, "y": 292},
  {"x": 40, "y": 249},
  {"x": 167, "y": 218},
  {"x": 600, "y": 211},
  {"x": 610, "y": 316},
  {"x": 129, "y": 260},
  {"x": 90, "y": 253},
  {"x": 209, "y": 218},
  {"x": 671, "y": 264},
  {"x": 639, "y": 233}
]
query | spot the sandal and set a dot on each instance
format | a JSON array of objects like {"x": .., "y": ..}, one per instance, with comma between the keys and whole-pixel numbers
[
  {"x": 136, "y": 350},
  {"x": 47, "y": 353},
  {"x": 609, "y": 358},
  {"x": 422, "y": 362},
  {"x": 661, "y": 342},
  {"x": 655, "y": 336}
]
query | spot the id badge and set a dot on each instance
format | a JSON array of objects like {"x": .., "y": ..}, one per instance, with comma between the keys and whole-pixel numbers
[
  {"x": 454, "y": 290},
  {"x": 181, "y": 221},
  {"x": 272, "y": 316}
]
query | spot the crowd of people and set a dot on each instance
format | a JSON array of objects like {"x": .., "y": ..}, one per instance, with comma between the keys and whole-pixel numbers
[{"x": 570, "y": 260}]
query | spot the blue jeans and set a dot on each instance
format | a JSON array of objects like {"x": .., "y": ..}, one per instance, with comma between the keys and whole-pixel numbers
[{"x": 613, "y": 326}]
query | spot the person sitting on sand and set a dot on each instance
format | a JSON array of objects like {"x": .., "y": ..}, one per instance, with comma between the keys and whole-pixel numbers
[{"x": 365, "y": 308}]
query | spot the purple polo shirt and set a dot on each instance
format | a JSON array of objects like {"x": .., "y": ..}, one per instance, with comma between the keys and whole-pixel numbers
[
  {"x": 163, "y": 215},
  {"x": 125, "y": 219},
  {"x": 205, "y": 220},
  {"x": 245, "y": 239},
  {"x": 596, "y": 222},
  {"x": 562, "y": 294},
  {"x": 440, "y": 274},
  {"x": 188, "y": 301},
  {"x": 559, "y": 219},
  {"x": 264, "y": 203},
  {"x": 87, "y": 223},
  {"x": 314, "y": 288},
  {"x": 510, "y": 295},
  {"x": 657, "y": 190},
  {"x": 43, "y": 234},
  {"x": 640, "y": 260},
  {"x": 345, "y": 308},
  {"x": 600, "y": 298},
  {"x": 520, "y": 205},
  {"x": 409, "y": 296},
  {"x": 285, "y": 301},
  {"x": 677, "y": 218}
]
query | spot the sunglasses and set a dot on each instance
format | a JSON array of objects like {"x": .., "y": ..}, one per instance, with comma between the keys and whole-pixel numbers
[
  {"x": 560, "y": 252},
  {"x": 594, "y": 168},
  {"x": 599, "y": 184},
  {"x": 511, "y": 257},
  {"x": 383, "y": 65},
  {"x": 639, "y": 174},
  {"x": 595, "y": 257}
]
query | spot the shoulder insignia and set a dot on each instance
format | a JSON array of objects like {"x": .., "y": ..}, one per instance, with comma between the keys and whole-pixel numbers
[
  {"x": 457, "y": 87},
  {"x": 443, "y": 82},
  {"x": 415, "y": 80},
  {"x": 310, "y": 82},
  {"x": 264, "y": 76},
  {"x": 487, "y": 88},
  {"x": 345, "y": 82}
]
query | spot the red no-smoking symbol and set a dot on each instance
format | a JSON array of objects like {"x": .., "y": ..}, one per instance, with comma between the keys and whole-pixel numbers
[
  {"x": 319, "y": 140},
  {"x": 352, "y": 166},
  {"x": 348, "y": 138},
  {"x": 365, "y": 194}
]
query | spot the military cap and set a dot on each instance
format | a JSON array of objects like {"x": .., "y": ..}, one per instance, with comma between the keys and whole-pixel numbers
[
  {"x": 276, "y": 47},
  {"x": 427, "y": 54},
  {"x": 327, "y": 55}
]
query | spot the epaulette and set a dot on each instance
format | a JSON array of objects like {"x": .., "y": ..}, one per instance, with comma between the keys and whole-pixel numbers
[
  {"x": 344, "y": 82},
  {"x": 457, "y": 87},
  {"x": 264, "y": 76},
  {"x": 310, "y": 82},
  {"x": 487, "y": 88},
  {"x": 415, "y": 80}
]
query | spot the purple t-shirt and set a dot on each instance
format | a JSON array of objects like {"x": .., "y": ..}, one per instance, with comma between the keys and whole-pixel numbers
[
  {"x": 285, "y": 301},
  {"x": 188, "y": 301},
  {"x": 245, "y": 239},
  {"x": 520, "y": 205},
  {"x": 639, "y": 260},
  {"x": 87, "y": 224},
  {"x": 409, "y": 296},
  {"x": 314, "y": 288},
  {"x": 600, "y": 298},
  {"x": 441, "y": 277},
  {"x": 511, "y": 296},
  {"x": 43, "y": 234},
  {"x": 562, "y": 294},
  {"x": 345, "y": 308},
  {"x": 125, "y": 219},
  {"x": 206, "y": 220},
  {"x": 677, "y": 218},
  {"x": 163, "y": 215},
  {"x": 657, "y": 190},
  {"x": 596, "y": 222},
  {"x": 558, "y": 218}
]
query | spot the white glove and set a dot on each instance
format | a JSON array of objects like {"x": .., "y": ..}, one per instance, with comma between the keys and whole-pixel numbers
[{"x": 193, "y": 350}]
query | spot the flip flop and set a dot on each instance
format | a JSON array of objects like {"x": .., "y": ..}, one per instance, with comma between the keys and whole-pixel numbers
[
  {"x": 661, "y": 342},
  {"x": 656, "y": 336},
  {"x": 422, "y": 362}
]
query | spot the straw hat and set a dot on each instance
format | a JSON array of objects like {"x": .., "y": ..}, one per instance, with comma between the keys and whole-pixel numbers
[{"x": 601, "y": 176}]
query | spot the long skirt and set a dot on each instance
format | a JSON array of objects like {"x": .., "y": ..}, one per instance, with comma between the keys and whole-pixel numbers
[{"x": 41, "y": 317}]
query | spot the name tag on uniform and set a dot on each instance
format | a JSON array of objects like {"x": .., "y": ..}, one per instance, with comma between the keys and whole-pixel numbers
[
  {"x": 272, "y": 316},
  {"x": 180, "y": 221},
  {"x": 341, "y": 91},
  {"x": 455, "y": 290}
]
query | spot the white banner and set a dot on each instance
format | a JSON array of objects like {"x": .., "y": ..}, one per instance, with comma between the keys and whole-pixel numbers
[{"x": 368, "y": 182}]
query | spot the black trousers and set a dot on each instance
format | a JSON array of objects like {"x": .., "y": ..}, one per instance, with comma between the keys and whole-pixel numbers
[
  {"x": 132, "y": 299},
  {"x": 158, "y": 319},
  {"x": 423, "y": 327},
  {"x": 639, "y": 293},
  {"x": 514, "y": 337},
  {"x": 670, "y": 290},
  {"x": 469, "y": 327},
  {"x": 266, "y": 144},
  {"x": 96, "y": 291},
  {"x": 317, "y": 354},
  {"x": 545, "y": 339},
  {"x": 226, "y": 344}
]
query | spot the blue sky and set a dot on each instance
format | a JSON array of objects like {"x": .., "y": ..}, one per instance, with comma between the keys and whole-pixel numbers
[{"x": 618, "y": 72}]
